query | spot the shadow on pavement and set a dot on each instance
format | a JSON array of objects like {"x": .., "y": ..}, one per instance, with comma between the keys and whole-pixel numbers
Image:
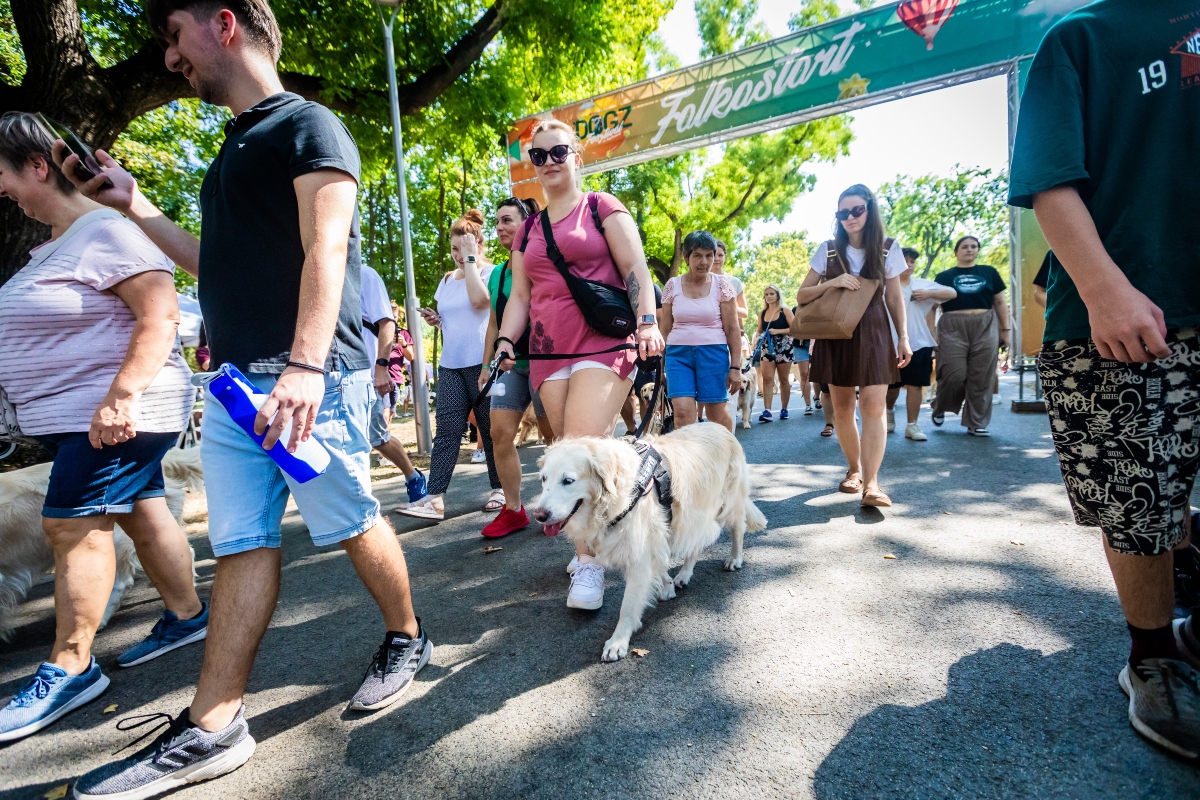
[{"x": 1007, "y": 715}]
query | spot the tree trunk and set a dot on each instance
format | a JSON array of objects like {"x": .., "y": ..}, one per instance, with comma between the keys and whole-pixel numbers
[{"x": 677, "y": 255}]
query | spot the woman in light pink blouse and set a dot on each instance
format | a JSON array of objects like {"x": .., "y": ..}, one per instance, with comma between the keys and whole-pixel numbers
[{"x": 700, "y": 321}]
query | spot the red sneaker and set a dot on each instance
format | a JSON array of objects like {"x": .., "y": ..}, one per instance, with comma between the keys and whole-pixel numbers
[{"x": 508, "y": 521}]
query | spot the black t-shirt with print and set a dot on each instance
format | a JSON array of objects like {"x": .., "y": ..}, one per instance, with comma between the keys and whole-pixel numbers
[
  {"x": 977, "y": 286},
  {"x": 251, "y": 255},
  {"x": 1112, "y": 106}
]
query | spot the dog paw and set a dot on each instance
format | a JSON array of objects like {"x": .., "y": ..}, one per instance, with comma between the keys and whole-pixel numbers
[
  {"x": 667, "y": 592},
  {"x": 733, "y": 564},
  {"x": 615, "y": 650},
  {"x": 682, "y": 581}
]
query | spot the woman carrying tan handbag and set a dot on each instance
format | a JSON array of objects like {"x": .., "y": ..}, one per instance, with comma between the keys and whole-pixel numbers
[{"x": 857, "y": 259}]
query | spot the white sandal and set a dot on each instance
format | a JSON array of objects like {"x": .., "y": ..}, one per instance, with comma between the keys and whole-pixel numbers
[
  {"x": 422, "y": 509},
  {"x": 496, "y": 497}
]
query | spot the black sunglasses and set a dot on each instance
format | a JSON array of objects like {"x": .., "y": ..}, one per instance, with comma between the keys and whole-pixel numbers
[
  {"x": 559, "y": 153},
  {"x": 518, "y": 202},
  {"x": 844, "y": 214}
]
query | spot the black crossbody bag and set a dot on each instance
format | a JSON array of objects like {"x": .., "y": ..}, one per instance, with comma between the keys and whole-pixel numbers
[{"x": 605, "y": 308}]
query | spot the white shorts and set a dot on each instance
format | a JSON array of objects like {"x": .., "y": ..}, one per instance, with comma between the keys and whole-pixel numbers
[{"x": 569, "y": 370}]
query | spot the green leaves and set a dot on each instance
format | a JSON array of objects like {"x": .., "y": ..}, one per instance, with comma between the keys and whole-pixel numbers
[{"x": 928, "y": 212}]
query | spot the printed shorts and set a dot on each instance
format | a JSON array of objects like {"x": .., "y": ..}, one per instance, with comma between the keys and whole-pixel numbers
[
  {"x": 777, "y": 348},
  {"x": 1127, "y": 438}
]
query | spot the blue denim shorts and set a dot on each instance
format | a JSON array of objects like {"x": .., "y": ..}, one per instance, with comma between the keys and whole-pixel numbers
[
  {"x": 379, "y": 430},
  {"x": 86, "y": 482},
  {"x": 247, "y": 492},
  {"x": 699, "y": 371}
]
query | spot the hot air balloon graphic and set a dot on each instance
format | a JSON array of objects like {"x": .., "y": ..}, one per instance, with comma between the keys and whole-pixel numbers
[{"x": 926, "y": 17}]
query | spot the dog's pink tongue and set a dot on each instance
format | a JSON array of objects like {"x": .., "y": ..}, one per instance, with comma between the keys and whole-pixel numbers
[{"x": 552, "y": 528}]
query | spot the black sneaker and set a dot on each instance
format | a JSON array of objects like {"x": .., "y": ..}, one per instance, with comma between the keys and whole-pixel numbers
[
  {"x": 1164, "y": 704},
  {"x": 182, "y": 754},
  {"x": 396, "y": 663}
]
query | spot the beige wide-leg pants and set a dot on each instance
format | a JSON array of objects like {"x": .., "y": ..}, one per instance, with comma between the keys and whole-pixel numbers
[{"x": 967, "y": 352}]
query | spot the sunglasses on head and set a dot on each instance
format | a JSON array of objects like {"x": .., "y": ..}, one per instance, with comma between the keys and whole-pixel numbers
[
  {"x": 515, "y": 201},
  {"x": 558, "y": 153},
  {"x": 844, "y": 214}
]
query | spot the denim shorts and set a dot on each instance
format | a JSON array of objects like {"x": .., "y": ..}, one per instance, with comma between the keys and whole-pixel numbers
[
  {"x": 699, "y": 371},
  {"x": 247, "y": 492},
  {"x": 380, "y": 417},
  {"x": 518, "y": 393},
  {"x": 86, "y": 482}
]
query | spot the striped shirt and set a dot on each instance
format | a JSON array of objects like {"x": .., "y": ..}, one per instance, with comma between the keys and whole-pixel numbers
[{"x": 64, "y": 333}]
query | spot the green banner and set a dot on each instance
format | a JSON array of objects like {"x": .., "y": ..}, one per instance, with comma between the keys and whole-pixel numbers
[{"x": 867, "y": 58}]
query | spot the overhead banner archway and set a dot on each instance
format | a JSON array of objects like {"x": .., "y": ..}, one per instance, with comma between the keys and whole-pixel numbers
[
  {"x": 882, "y": 54},
  {"x": 871, "y": 57}
]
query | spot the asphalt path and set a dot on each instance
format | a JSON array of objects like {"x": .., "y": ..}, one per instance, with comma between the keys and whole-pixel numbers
[{"x": 979, "y": 662}]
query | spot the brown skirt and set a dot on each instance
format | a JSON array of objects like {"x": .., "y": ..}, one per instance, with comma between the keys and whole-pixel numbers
[{"x": 868, "y": 358}]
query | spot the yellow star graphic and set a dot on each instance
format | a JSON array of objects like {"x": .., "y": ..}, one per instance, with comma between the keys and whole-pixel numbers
[{"x": 854, "y": 86}]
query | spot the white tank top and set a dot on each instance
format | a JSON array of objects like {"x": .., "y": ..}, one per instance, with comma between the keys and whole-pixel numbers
[{"x": 463, "y": 327}]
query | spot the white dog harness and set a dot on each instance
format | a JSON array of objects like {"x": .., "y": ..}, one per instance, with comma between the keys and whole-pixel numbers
[{"x": 652, "y": 473}]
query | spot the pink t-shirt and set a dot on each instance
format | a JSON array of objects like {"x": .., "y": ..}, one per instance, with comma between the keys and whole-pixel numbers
[
  {"x": 64, "y": 333},
  {"x": 557, "y": 323},
  {"x": 698, "y": 320}
]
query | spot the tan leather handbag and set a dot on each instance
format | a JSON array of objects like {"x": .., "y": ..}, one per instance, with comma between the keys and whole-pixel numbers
[{"x": 835, "y": 314}]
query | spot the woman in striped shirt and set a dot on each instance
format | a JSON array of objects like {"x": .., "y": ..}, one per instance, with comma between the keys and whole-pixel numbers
[{"x": 90, "y": 359}]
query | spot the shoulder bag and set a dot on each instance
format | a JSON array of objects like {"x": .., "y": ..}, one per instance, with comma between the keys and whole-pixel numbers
[
  {"x": 836, "y": 314},
  {"x": 605, "y": 308}
]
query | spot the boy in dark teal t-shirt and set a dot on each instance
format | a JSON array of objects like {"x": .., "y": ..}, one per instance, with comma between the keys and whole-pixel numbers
[{"x": 1108, "y": 155}]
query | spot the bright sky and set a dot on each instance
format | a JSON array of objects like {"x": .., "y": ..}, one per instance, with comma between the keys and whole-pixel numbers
[{"x": 929, "y": 133}]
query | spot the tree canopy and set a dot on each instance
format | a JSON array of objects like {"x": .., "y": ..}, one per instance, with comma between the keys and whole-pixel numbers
[
  {"x": 465, "y": 70},
  {"x": 927, "y": 212}
]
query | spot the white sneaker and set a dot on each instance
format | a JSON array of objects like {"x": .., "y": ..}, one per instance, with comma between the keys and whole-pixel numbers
[
  {"x": 478, "y": 457},
  {"x": 572, "y": 564},
  {"x": 891, "y": 420},
  {"x": 996, "y": 400},
  {"x": 587, "y": 587},
  {"x": 914, "y": 432}
]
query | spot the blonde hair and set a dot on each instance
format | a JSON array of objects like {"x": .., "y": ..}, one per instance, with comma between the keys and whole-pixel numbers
[
  {"x": 547, "y": 125},
  {"x": 469, "y": 223},
  {"x": 777, "y": 290}
]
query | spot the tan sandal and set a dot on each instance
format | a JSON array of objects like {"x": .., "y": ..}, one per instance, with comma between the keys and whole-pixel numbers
[
  {"x": 875, "y": 498},
  {"x": 851, "y": 484}
]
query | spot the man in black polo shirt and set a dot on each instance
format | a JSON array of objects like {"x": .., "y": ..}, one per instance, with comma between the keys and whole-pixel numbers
[
  {"x": 1107, "y": 154},
  {"x": 278, "y": 269}
]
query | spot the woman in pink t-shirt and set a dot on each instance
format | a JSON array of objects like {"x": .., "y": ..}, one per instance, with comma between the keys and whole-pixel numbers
[
  {"x": 700, "y": 320},
  {"x": 582, "y": 395}
]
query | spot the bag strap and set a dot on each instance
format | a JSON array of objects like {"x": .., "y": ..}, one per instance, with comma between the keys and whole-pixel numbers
[
  {"x": 528, "y": 226},
  {"x": 593, "y": 201},
  {"x": 832, "y": 256},
  {"x": 552, "y": 252}
]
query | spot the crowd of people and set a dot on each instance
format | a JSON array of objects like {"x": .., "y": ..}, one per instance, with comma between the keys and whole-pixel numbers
[{"x": 329, "y": 355}]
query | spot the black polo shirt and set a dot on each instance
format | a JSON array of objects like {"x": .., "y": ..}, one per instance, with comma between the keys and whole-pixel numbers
[{"x": 251, "y": 255}]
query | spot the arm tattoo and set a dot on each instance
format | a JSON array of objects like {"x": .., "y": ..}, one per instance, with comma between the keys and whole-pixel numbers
[{"x": 634, "y": 289}]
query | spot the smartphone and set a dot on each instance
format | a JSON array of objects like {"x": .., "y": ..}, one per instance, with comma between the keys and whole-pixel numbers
[{"x": 88, "y": 167}]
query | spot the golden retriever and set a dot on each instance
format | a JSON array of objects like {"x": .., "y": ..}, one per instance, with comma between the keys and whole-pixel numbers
[
  {"x": 26, "y": 558},
  {"x": 588, "y": 482}
]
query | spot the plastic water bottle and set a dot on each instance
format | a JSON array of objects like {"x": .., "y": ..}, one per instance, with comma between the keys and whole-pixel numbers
[{"x": 242, "y": 400}]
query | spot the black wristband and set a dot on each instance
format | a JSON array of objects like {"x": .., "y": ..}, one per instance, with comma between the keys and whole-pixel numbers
[
  {"x": 309, "y": 367},
  {"x": 499, "y": 339}
]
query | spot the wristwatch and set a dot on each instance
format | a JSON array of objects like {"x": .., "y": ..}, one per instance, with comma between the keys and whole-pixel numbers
[
  {"x": 647, "y": 319},
  {"x": 470, "y": 259},
  {"x": 382, "y": 362}
]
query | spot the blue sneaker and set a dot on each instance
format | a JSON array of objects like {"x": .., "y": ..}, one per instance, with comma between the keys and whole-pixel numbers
[
  {"x": 783, "y": 413},
  {"x": 416, "y": 486},
  {"x": 48, "y": 695},
  {"x": 168, "y": 633},
  {"x": 765, "y": 416}
]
